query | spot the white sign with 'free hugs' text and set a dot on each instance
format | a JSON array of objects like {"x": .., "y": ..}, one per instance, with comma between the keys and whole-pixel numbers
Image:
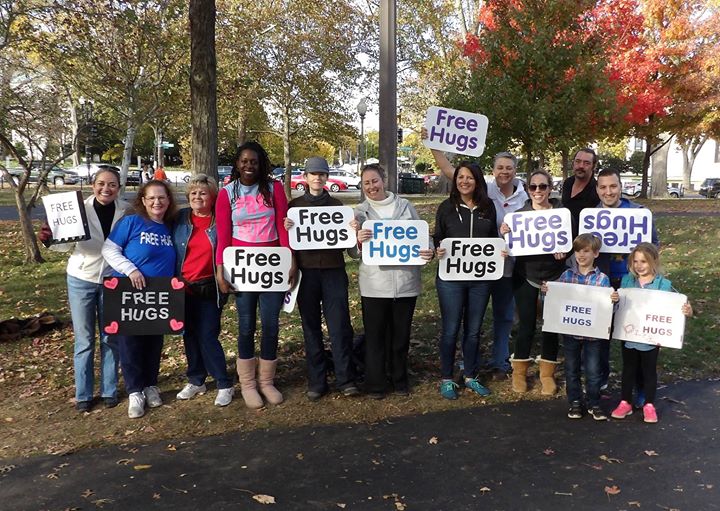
[
  {"x": 324, "y": 227},
  {"x": 650, "y": 316},
  {"x": 577, "y": 309},
  {"x": 395, "y": 242},
  {"x": 546, "y": 231},
  {"x": 257, "y": 268},
  {"x": 619, "y": 229},
  {"x": 471, "y": 259},
  {"x": 455, "y": 131}
]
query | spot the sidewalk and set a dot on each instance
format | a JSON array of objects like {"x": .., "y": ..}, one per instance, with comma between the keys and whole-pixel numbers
[{"x": 524, "y": 455}]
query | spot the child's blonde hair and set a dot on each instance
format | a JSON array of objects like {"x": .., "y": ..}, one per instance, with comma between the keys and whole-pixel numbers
[{"x": 651, "y": 253}]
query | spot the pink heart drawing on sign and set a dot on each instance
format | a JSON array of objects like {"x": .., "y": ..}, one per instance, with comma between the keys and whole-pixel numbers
[
  {"x": 112, "y": 328},
  {"x": 176, "y": 325},
  {"x": 111, "y": 283},
  {"x": 177, "y": 284}
]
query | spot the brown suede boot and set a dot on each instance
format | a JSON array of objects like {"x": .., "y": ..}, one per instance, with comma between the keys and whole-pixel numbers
[
  {"x": 547, "y": 377},
  {"x": 267, "y": 385},
  {"x": 519, "y": 375},
  {"x": 248, "y": 384}
]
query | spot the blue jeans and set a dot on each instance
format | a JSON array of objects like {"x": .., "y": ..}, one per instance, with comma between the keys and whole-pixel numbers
[
  {"x": 503, "y": 304},
  {"x": 86, "y": 304},
  {"x": 464, "y": 301},
  {"x": 140, "y": 360},
  {"x": 575, "y": 351},
  {"x": 270, "y": 305},
  {"x": 203, "y": 350},
  {"x": 324, "y": 293}
]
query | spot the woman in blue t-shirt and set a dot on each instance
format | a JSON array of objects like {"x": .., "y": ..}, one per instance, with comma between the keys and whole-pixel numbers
[{"x": 141, "y": 246}]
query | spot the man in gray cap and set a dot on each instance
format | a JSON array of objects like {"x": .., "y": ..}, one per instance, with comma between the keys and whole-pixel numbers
[{"x": 323, "y": 292}]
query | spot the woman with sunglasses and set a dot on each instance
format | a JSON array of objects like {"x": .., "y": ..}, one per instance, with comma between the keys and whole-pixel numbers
[{"x": 528, "y": 276}]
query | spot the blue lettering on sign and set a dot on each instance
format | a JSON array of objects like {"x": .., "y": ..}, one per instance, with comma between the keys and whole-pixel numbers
[
  {"x": 629, "y": 231},
  {"x": 530, "y": 231}
]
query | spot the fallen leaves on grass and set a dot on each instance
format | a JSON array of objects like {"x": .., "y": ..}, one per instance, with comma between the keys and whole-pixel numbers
[
  {"x": 433, "y": 440},
  {"x": 651, "y": 453},
  {"x": 610, "y": 460},
  {"x": 142, "y": 467},
  {"x": 87, "y": 493}
]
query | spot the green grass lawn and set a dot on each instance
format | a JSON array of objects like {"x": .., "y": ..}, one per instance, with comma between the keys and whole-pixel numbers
[{"x": 40, "y": 369}]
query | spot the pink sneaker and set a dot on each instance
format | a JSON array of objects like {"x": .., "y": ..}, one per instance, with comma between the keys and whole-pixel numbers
[
  {"x": 623, "y": 410},
  {"x": 649, "y": 413}
]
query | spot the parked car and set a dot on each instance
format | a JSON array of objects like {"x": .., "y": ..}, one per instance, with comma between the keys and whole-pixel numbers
[
  {"x": 278, "y": 173},
  {"x": 56, "y": 175},
  {"x": 710, "y": 188},
  {"x": 674, "y": 190},
  {"x": 224, "y": 172},
  {"x": 350, "y": 179},
  {"x": 298, "y": 183}
]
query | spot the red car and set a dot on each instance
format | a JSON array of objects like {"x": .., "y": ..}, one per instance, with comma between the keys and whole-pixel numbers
[{"x": 334, "y": 185}]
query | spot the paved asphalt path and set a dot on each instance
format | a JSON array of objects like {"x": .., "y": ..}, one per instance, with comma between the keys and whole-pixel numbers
[{"x": 517, "y": 456}]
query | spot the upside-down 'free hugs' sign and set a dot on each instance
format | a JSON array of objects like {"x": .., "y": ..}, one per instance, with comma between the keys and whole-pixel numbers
[
  {"x": 257, "y": 268},
  {"x": 157, "y": 309},
  {"x": 620, "y": 230},
  {"x": 395, "y": 242},
  {"x": 546, "y": 231},
  {"x": 455, "y": 131},
  {"x": 471, "y": 259}
]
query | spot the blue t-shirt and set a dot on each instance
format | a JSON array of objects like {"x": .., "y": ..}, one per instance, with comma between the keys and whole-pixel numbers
[{"x": 147, "y": 244}]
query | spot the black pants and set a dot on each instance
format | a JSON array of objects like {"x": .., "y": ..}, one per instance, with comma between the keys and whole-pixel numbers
[
  {"x": 387, "y": 341},
  {"x": 526, "y": 301},
  {"x": 324, "y": 292},
  {"x": 634, "y": 361}
]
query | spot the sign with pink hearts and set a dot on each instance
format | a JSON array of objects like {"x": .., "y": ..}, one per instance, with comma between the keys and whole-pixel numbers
[{"x": 158, "y": 309}]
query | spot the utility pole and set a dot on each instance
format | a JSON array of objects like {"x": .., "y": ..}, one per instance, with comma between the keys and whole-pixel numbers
[{"x": 388, "y": 92}]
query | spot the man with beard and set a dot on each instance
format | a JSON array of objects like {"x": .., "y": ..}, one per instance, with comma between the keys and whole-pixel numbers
[{"x": 580, "y": 190}]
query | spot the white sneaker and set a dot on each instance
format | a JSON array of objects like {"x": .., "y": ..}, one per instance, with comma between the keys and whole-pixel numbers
[
  {"x": 190, "y": 391},
  {"x": 224, "y": 396},
  {"x": 136, "y": 405},
  {"x": 152, "y": 395}
]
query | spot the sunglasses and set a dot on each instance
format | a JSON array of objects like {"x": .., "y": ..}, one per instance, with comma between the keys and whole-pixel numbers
[{"x": 541, "y": 187}]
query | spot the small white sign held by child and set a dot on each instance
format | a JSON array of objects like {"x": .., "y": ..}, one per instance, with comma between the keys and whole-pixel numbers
[
  {"x": 650, "y": 316},
  {"x": 620, "y": 230},
  {"x": 576, "y": 309},
  {"x": 257, "y": 268},
  {"x": 395, "y": 242},
  {"x": 471, "y": 259},
  {"x": 539, "y": 232},
  {"x": 455, "y": 131},
  {"x": 324, "y": 227},
  {"x": 66, "y": 217}
]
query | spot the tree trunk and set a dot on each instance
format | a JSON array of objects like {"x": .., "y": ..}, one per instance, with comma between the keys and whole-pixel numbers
[
  {"x": 241, "y": 124},
  {"x": 74, "y": 131},
  {"x": 286, "y": 151},
  {"x": 32, "y": 250},
  {"x": 659, "y": 175},
  {"x": 690, "y": 151},
  {"x": 646, "y": 167},
  {"x": 203, "y": 87},
  {"x": 127, "y": 153}
]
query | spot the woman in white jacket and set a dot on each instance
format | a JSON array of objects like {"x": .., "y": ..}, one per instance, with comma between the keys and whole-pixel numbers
[
  {"x": 85, "y": 271},
  {"x": 388, "y": 293}
]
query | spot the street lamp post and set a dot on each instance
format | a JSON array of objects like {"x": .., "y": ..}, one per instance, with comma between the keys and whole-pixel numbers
[
  {"x": 361, "y": 110},
  {"x": 87, "y": 109}
]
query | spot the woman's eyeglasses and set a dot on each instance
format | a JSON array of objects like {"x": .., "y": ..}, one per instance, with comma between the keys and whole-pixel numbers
[{"x": 541, "y": 187}]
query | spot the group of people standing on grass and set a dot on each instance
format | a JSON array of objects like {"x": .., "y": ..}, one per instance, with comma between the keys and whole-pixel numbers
[{"x": 251, "y": 211}]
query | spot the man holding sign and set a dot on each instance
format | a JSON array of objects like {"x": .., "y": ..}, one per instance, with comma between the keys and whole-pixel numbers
[{"x": 324, "y": 286}]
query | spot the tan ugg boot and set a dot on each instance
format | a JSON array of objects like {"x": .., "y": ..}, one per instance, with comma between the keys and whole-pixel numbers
[
  {"x": 547, "y": 377},
  {"x": 267, "y": 385},
  {"x": 519, "y": 374},
  {"x": 248, "y": 384}
]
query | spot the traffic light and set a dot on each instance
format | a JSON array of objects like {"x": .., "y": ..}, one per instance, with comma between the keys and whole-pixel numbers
[{"x": 399, "y": 136}]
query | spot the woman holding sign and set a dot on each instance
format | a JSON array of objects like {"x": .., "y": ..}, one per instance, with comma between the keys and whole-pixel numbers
[
  {"x": 85, "y": 271},
  {"x": 529, "y": 274},
  {"x": 195, "y": 239},
  {"x": 141, "y": 246},
  {"x": 388, "y": 293},
  {"x": 467, "y": 213},
  {"x": 250, "y": 211},
  {"x": 324, "y": 292}
]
